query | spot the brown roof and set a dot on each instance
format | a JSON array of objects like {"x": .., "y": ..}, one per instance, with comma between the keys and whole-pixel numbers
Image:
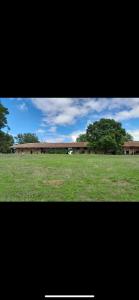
[
  {"x": 131, "y": 144},
  {"x": 51, "y": 145}
]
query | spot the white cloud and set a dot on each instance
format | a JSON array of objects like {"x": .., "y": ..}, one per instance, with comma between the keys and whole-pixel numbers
[
  {"x": 125, "y": 109},
  {"x": 22, "y": 106},
  {"x": 65, "y": 111},
  {"x": 55, "y": 137},
  {"x": 73, "y": 136},
  {"x": 43, "y": 124},
  {"x": 56, "y": 140},
  {"x": 52, "y": 129},
  {"x": 128, "y": 114},
  {"x": 135, "y": 134},
  {"x": 40, "y": 130}
]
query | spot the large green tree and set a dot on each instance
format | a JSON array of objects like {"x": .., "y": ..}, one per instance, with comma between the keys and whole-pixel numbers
[
  {"x": 107, "y": 136},
  {"x": 6, "y": 141},
  {"x": 26, "y": 138},
  {"x": 128, "y": 137},
  {"x": 82, "y": 138},
  {"x": 3, "y": 113}
]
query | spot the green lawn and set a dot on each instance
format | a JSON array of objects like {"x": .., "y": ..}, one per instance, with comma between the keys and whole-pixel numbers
[{"x": 58, "y": 177}]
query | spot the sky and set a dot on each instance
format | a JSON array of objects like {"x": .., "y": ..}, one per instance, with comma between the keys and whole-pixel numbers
[{"x": 63, "y": 119}]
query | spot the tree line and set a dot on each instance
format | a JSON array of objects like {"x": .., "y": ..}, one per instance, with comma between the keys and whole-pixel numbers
[
  {"x": 103, "y": 136},
  {"x": 6, "y": 139}
]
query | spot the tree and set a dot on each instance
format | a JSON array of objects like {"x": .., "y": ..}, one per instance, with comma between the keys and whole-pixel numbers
[
  {"x": 107, "y": 136},
  {"x": 26, "y": 138},
  {"x": 107, "y": 144},
  {"x": 3, "y": 113},
  {"x": 82, "y": 138},
  {"x": 128, "y": 137},
  {"x": 6, "y": 141}
]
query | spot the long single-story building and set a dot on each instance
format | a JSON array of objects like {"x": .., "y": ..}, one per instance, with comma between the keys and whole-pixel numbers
[
  {"x": 78, "y": 147},
  {"x": 131, "y": 147}
]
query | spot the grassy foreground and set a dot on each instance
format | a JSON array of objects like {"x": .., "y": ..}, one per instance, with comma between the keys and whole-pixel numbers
[{"x": 58, "y": 177}]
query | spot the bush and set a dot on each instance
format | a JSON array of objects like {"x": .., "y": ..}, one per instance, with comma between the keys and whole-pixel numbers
[{"x": 57, "y": 151}]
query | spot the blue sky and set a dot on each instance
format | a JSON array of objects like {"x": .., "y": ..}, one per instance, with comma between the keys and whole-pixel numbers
[{"x": 63, "y": 119}]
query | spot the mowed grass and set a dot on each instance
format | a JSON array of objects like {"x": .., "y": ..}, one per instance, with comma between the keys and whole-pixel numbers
[{"x": 57, "y": 177}]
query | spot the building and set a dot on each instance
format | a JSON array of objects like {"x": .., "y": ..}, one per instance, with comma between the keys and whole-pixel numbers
[
  {"x": 78, "y": 147},
  {"x": 131, "y": 147}
]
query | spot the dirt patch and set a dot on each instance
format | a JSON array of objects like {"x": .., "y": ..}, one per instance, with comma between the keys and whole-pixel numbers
[
  {"x": 121, "y": 182},
  {"x": 54, "y": 182},
  {"x": 105, "y": 180}
]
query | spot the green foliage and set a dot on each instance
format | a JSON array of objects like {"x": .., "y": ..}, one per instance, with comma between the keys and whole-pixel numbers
[
  {"x": 26, "y": 138},
  {"x": 107, "y": 136},
  {"x": 107, "y": 144},
  {"x": 82, "y": 138},
  {"x": 3, "y": 113},
  {"x": 57, "y": 151},
  {"x": 6, "y": 141},
  {"x": 128, "y": 137}
]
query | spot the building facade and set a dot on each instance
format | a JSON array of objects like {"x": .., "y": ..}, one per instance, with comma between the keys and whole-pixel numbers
[
  {"x": 131, "y": 147},
  {"x": 80, "y": 147}
]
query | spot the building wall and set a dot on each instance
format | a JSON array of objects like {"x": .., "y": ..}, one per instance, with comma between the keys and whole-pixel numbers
[
  {"x": 35, "y": 150},
  {"x": 131, "y": 151},
  {"x": 28, "y": 151}
]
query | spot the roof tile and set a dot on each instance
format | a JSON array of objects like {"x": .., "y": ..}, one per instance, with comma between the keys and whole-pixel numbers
[{"x": 51, "y": 145}]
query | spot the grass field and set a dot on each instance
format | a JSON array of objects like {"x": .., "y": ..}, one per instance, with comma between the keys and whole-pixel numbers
[{"x": 57, "y": 177}]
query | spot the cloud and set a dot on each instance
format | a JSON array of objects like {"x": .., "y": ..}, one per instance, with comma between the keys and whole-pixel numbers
[
  {"x": 52, "y": 129},
  {"x": 47, "y": 131},
  {"x": 56, "y": 140},
  {"x": 66, "y": 111},
  {"x": 55, "y": 137},
  {"x": 73, "y": 136},
  {"x": 22, "y": 107},
  {"x": 40, "y": 130},
  {"x": 128, "y": 114},
  {"x": 135, "y": 134}
]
